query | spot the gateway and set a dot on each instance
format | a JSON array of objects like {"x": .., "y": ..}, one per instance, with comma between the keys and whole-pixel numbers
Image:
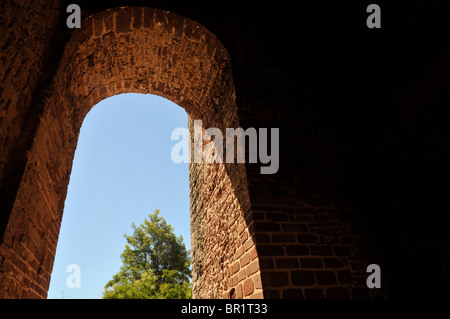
[{"x": 198, "y": 309}]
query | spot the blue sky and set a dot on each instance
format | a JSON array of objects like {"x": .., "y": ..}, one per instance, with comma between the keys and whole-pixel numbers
[{"x": 122, "y": 171}]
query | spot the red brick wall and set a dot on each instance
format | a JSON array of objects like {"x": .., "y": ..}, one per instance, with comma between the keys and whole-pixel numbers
[
  {"x": 244, "y": 245},
  {"x": 143, "y": 51},
  {"x": 363, "y": 154},
  {"x": 26, "y": 30}
]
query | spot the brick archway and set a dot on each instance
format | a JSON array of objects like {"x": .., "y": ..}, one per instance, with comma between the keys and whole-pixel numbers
[{"x": 139, "y": 50}]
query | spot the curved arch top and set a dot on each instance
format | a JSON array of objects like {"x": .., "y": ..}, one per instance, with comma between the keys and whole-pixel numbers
[{"x": 146, "y": 50}]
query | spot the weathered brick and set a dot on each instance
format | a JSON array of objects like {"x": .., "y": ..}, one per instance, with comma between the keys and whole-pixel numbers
[
  {"x": 241, "y": 275},
  {"x": 332, "y": 263},
  {"x": 248, "y": 287},
  {"x": 253, "y": 253},
  {"x": 294, "y": 227},
  {"x": 262, "y": 238},
  {"x": 325, "y": 277},
  {"x": 306, "y": 238},
  {"x": 321, "y": 250},
  {"x": 244, "y": 237},
  {"x": 181, "y": 60},
  {"x": 286, "y": 262},
  {"x": 297, "y": 250},
  {"x": 303, "y": 278},
  {"x": 279, "y": 216},
  {"x": 252, "y": 268},
  {"x": 270, "y": 250},
  {"x": 123, "y": 20},
  {"x": 149, "y": 17},
  {"x": 239, "y": 252},
  {"x": 272, "y": 294},
  {"x": 248, "y": 244},
  {"x": 137, "y": 17},
  {"x": 311, "y": 263},
  {"x": 345, "y": 277},
  {"x": 109, "y": 23},
  {"x": 257, "y": 282},
  {"x": 234, "y": 268},
  {"x": 239, "y": 292},
  {"x": 274, "y": 278},
  {"x": 257, "y": 295},
  {"x": 257, "y": 216},
  {"x": 283, "y": 238},
  {"x": 241, "y": 229},
  {"x": 233, "y": 281},
  {"x": 245, "y": 259},
  {"x": 266, "y": 263},
  {"x": 98, "y": 26},
  {"x": 342, "y": 251}
]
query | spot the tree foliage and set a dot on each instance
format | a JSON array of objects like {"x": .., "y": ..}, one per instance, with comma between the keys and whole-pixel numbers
[{"x": 155, "y": 264}]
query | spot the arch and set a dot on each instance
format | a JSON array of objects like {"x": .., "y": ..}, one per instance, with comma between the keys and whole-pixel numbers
[{"x": 139, "y": 50}]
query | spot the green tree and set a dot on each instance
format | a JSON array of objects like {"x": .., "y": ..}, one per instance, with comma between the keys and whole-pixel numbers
[{"x": 155, "y": 264}]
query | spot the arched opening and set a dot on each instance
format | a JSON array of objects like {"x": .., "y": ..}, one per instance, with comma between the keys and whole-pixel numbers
[
  {"x": 136, "y": 50},
  {"x": 122, "y": 171}
]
